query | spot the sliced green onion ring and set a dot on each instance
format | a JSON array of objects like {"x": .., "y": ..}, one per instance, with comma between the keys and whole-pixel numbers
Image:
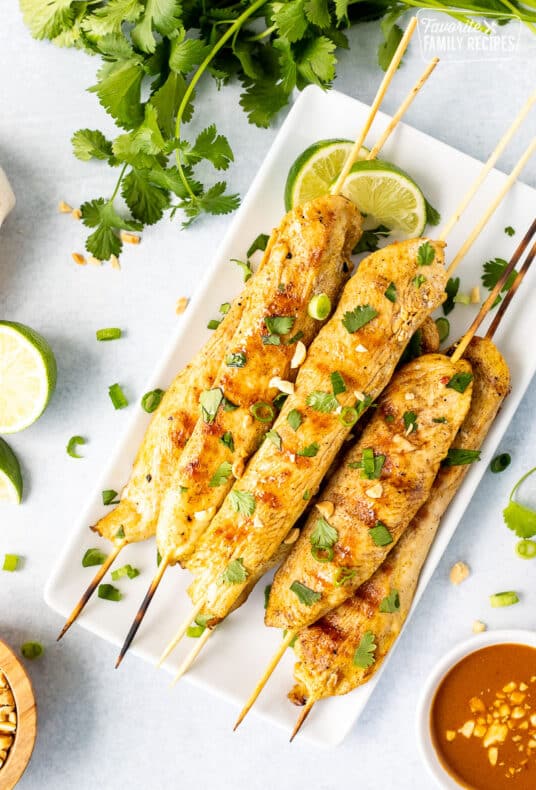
[
  {"x": 526, "y": 549},
  {"x": 321, "y": 554},
  {"x": 31, "y": 650},
  {"x": 348, "y": 416},
  {"x": 112, "y": 333},
  {"x": 508, "y": 598},
  {"x": 151, "y": 400},
  {"x": 319, "y": 307},
  {"x": 443, "y": 328},
  {"x": 262, "y": 411},
  {"x": 72, "y": 445},
  {"x": 500, "y": 462}
]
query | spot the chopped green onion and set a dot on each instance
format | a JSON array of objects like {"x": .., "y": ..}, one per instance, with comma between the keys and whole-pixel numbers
[
  {"x": 462, "y": 299},
  {"x": 259, "y": 244},
  {"x": 112, "y": 333},
  {"x": 419, "y": 280},
  {"x": 93, "y": 557},
  {"x": 195, "y": 631},
  {"x": 213, "y": 323},
  {"x": 120, "y": 534},
  {"x": 500, "y": 462},
  {"x": 262, "y": 411},
  {"x": 322, "y": 555},
  {"x": 11, "y": 562},
  {"x": 126, "y": 570},
  {"x": 526, "y": 549},
  {"x": 109, "y": 593},
  {"x": 225, "y": 307},
  {"x": 228, "y": 405},
  {"x": 337, "y": 383},
  {"x": 237, "y": 360},
  {"x": 460, "y": 382},
  {"x": 390, "y": 292},
  {"x": 72, "y": 444},
  {"x": 319, "y": 307},
  {"x": 267, "y": 591},
  {"x": 31, "y": 650},
  {"x": 109, "y": 497},
  {"x": 443, "y": 328},
  {"x": 151, "y": 400},
  {"x": 117, "y": 396},
  {"x": 306, "y": 495},
  {"x": 348, "y": 416},
  {"x": 345, "y": 575},
  {"x": 508, "y": 598},
  {"x": 380, "y": 534}
]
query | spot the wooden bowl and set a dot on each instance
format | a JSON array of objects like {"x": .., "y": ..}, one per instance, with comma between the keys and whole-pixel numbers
[{"x": 21, "y": 750}]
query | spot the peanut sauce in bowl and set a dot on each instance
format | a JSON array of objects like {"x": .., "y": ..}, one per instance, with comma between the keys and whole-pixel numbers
[{"x": 477, "y": 715}]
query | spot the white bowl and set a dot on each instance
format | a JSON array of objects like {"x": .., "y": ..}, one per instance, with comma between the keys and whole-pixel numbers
[{"x": 443, "y": 666}]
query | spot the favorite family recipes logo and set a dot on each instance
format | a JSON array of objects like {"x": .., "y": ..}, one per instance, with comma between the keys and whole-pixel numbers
[{"x": 467, "y": 40}]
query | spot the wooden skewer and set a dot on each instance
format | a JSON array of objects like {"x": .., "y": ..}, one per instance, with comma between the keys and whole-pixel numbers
[
  {"x": 276, "y": 658},
  {"x": 512, "y": 291},
  {"x": 510, "y": 181},
  {"x": 86, "y": 595},
  {"x": 488, "y": 304},
  {"x": 190, "y": 658},
  {"x": 382, "y": 90},
  {"x": 475, "y": 186},
  {"x": 301, "y": 718},
  {"x": 143, "y": 608},
  {"x": 402, "y": 109},
  {"x": 181, "y": 631}
]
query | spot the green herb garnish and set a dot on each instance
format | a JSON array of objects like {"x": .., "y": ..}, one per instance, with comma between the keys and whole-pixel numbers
[
  {"x": 526, "y": 549},
  {"x": 391, "y": 602},
  {"x": 263, "y": 412},
  {"x": 309, "y": 451},
  {"x": 345, "y": 576},
  {"x": 267, "y": 591},
  {"x": 348, "y": 416},
  {"x": 425, "y": 254},
  {"x": 242, "y": 501},
  {"x": 337, "y": 383},
  {"x": 11, "y": 562},
  {"x": 305, "y": 595},
  {"x": 459, "y": 457},
  {"x": 280, "y": 324},
  {"x": 323, "y": 538},
  {"x": 451, "y": 289},
  {"x": 493, "y": 271},
  {"x": 508, "y": 598},
  {"x": 152, "y": 400},
  {"x": 509, "y": 230},
  {"x": 380, "y": 534},
  {"x": 520, "y": 518},
  {"x": 460, "y": 382},
  {"x": 358, "y": 317},
  {"x": 410, "y": 421},
  {"x": 500, "y": 462},
  {"x": 323, "y": 402},
  {"x": 443, "y": 328},
  {"x": 364, "y": 654},
  {"x": 319, "y": 307},
  {"x": 112, "y": 333},
  {"x": 109, "y": 593},
  {"x": 72, "y": 446},
  {"x": 32, "y": 650},
  {"x": 294, "y": 419},
  {"x": 213, "y": 323},
  {"x": 235, "y": 572},
  {"x": 237, "y": 360},
  {"x": 275, "y": 438},
  {"x": 117, "y": 396},
  {"x": 419, "y": 280},
  {"x": 210, "y": 401},
  {"x": 228, "y": 441},
  {"x": 390, "y": 292},
  {"x": 93, "y": 557},
  {"x": 260, "y": 243},
  {"x": 109, "y": 497},
  {"x": 126, "y": 570},
  {"x": 221, "y": 475}
]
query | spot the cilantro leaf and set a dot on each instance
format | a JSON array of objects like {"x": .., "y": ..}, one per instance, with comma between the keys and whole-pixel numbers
[
  {"x": 260, "y": 243},
  {"x": 316, "y": 62},
  {"x": 493, "y": 271},
  {"x": 451, "y": 289},
  {"x": 118, "y": 90},
  {"x": 186, "y": 53},
  {"x": 364, "y": 654},
  {"x": 160, "y": 15},
  {"x": 110, "y": 18},
  {"x": 235, "y": 572},
  {"x": 337, "y": 383},
  {"x": 167, "y": 100},
  {"x": 425, "y": 254},
  {"x": 358, "y": 317},
  {"x": 262, "y": 100},
  {"x": 228, "y": 441},
  {"x": 242, "y": 501},
  {"x": 380, "y": 534},
  {"x": 317, "y": 12},
  {"x": 460, "y": 381},
  {"x": 391, "y": 602},
  {"x": 215, "y": 201},
  {"x": 104, "y": 241},
  {"x": 47, "y": 20},
  {"x": 146, "y": 201},
  {"x": 310, "y": 451},
  {"x": 388, "y": 47},
  {"x": 323, "y": 402},
  {"x": 390, "y": 292},
  {"x": 91, "y": 144},
  {"x": 280, "y": 324},
  {"x": 294, "y": 419},
  {"x": 459, "y": 457},
  {"x": 304, "y": 594},
  {"x": 213, "y": 147},
  {"x": 323, "y": 538},
  {"x": 433, "y": 217},
  {"x": 290, "y": 19},
  {"x": 410, "y": 421},
  {"x": 221, "y": 475},
  {"x": 370, "y": 239},
  {"x": 210, "y": 401},
  {"x": 520, "y": 519},
  {"x": 275, "y": 438}
]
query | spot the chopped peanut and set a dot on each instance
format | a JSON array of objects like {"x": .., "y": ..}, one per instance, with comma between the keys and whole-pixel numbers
[
  {"x": 477, "y": 705},
  {"x": 510, "y": 687},
  {"x": 479, "y": 627},
  {"x": 475, "y": 295},
  {"x": 282, "y": 385},
  {"x": 76, "y": 213},
  {"x": 114, "y": 262},
  {"x": 78, "y": 258},
  {"x": 459, "y": 572},
  {"x": 292, "y": 536},
  {"x": 375, "y": 491},
  {"x": 467, "y": 729},
  {"x": 129, "y": 238},
  {"x": 325, "y": 508},
  {"x": 496, "y": 734},
  {"x": 493, "y": 754},
  {"x": 450, "y": 735},
  {"x": 64, "y": 208},
  {"x": 182, "y": 304}
]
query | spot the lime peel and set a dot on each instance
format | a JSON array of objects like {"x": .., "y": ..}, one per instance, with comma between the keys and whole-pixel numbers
[{"x": 10, "y": 475}]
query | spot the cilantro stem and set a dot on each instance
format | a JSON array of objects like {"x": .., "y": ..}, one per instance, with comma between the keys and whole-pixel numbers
[
  {"x": 521, "y": 480},
  {"x": 235, "y": 27},
  {"x": 263, "y": 33},
  {"x": 118, "y": 184}
]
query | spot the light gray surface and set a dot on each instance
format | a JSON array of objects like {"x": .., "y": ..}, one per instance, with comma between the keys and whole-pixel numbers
[{"x": 101, "y": 728}]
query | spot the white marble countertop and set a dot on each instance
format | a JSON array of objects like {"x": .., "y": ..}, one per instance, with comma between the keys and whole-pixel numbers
[{"x": 102, "y": 728}]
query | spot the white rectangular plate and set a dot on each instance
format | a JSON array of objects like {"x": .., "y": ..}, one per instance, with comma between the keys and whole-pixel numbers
[{"x": 234, "y": 657}]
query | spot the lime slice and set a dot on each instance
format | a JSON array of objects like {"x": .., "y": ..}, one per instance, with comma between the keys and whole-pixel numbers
[
  {"x": 387, "y": 196},
  {"x": 27, "y": 376},
  {"x": 315, "y": 170},
  {"x": 10, "y": 476}
]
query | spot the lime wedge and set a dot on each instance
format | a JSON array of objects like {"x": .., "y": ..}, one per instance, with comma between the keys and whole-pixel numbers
[
  {"x": 10, "y": 476},
  {"x": 314, "y": 171},
  {"x": 27, "y": 376},
  {"x": 387, "y": 196}
]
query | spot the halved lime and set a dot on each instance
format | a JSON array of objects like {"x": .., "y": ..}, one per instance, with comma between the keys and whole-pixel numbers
[
  {"x": 314, "y": 171},
  {"x": 27, "y": 376},
  {"x": 10, "y": 476},
  {"x": 387, "y": 196}
]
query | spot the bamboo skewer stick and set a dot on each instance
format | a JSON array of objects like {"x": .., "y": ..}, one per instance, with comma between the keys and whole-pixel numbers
[
  {"x": 494, "y": 156},
  {"x": 181, "y": 632},
  {"x": 143, "y": 608},
  {"x": 512, "y": 178},
  {"x": 382, "y": 90},
  {"x": 276, "y": 658},
  {"x": 301, "y": 718},
  {"x": 88, "y": 592},
  {"x": 488, "y": 304},
  {"x": 190, "y": 658},
  {"x": 401, "y": 110},
  {"x": 511, "y": 291}
]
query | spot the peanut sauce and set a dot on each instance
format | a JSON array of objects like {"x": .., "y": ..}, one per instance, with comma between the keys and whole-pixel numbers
[{"x": 483, "y": 719}]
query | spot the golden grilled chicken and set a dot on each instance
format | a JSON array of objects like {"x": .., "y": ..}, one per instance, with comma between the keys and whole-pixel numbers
[
  {"x": 379, "y": 486},
  {"x": 354, "y": 356},
  {"x": 309, "y": 255},
  {"x": 326, "y": 650},
  {"x": 134, "y": 518}
]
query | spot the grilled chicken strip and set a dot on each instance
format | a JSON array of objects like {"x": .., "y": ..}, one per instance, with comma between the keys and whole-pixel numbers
[
  {"x": 325, "y": 651},
  {"x": 310, "y": 254},
  {"x": 379, "y": 486},
  {"x": 135, "y": 517},
  {"x": 358, "y": 349}
]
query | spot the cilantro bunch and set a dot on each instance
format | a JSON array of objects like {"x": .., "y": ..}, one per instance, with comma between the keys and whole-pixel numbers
[{"x": 154, "y": 52}]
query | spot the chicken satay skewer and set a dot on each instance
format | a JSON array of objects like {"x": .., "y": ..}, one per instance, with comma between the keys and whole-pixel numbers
[
  {"x": 291, "y": 633},
  {"x": 471, "y": 436},
  {"x": 396, "y": 59}
]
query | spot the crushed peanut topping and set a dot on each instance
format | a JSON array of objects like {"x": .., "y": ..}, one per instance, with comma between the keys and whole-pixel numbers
[
  {"x": 282, "y": 385},
  {"x": 299, "y": 355},
  {"x": 474, "y": 297},
  {"x": 78, "y": 258},
  {"x": 292, "y": 536},
  {"x": 459, "y": 572},
  {"x": 182, "y": 304},
  {"x": 129, "y": 238},
  {"x": 94, "y": 261},
  {"x": 325, "y": 508},
  {"x": 375, "y": 491},
  {"x": 64, "y": 208},
  {"x": 479, "y": 627},
  {"x": 114, "y": 262},
  {"x": 8, "y": 718},
  {"x": 76, "y": 213},
  {"x": 361, "y": 349}
]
